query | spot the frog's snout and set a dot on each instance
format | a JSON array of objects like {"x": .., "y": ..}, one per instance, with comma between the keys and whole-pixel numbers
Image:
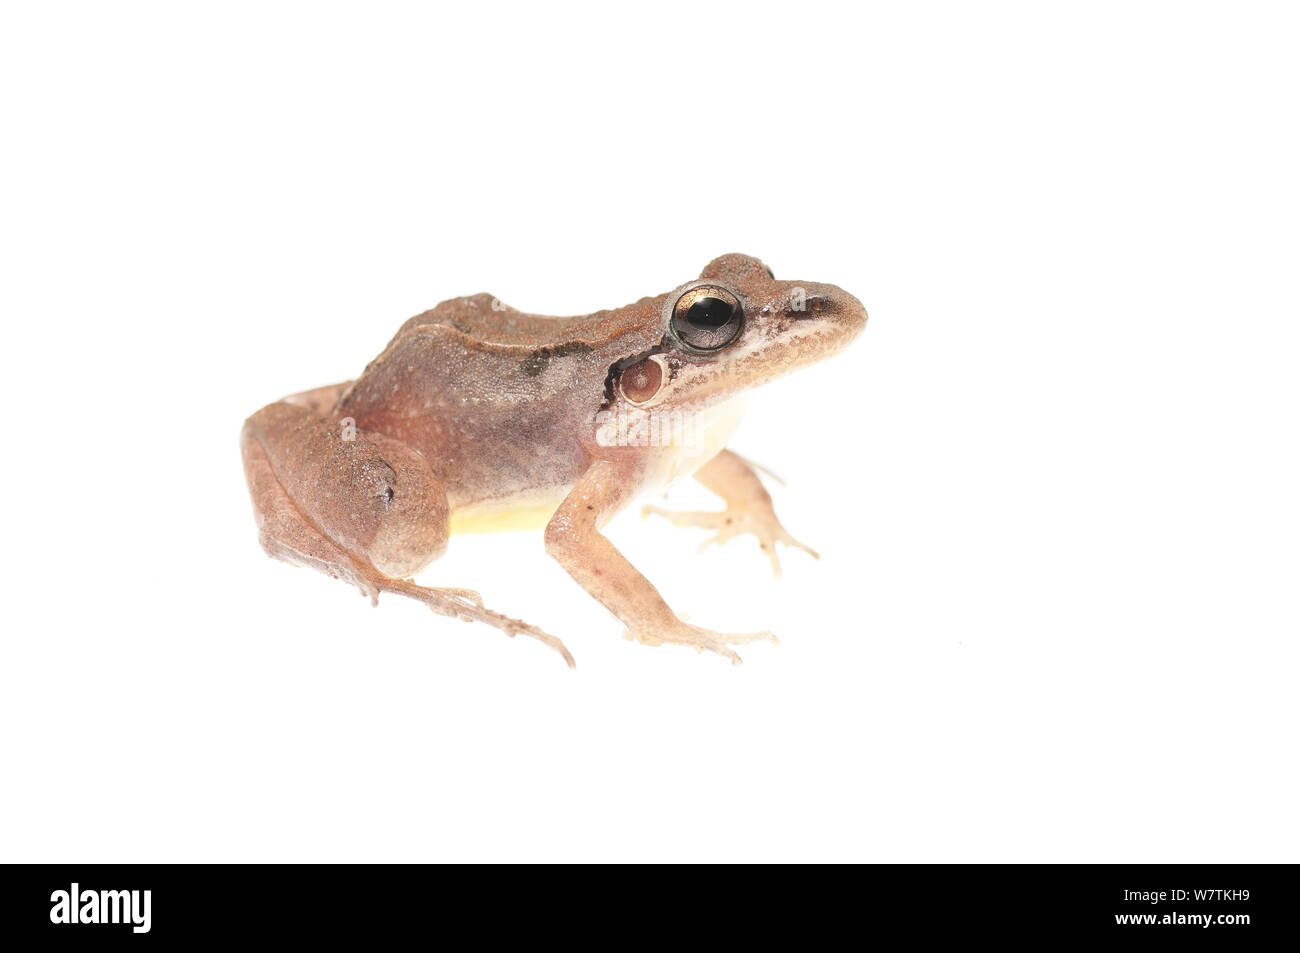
[{"x": 834, "y": 309}]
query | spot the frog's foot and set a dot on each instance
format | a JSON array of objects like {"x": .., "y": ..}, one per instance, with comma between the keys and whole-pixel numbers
[
  {"x": 736, "y": 521},
  {"x": 701, "y": 639},
  {"x": 466, "y": 604}
]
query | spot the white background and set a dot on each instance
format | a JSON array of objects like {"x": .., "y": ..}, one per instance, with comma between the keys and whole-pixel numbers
[{"x": 1053, "y": 483}]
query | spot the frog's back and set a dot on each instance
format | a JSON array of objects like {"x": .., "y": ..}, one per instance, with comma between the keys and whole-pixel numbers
[
  {"x": 499, "y": 402},
  {"x": 488, "y": 320}
]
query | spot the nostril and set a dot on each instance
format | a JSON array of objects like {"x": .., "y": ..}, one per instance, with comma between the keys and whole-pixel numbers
[{"x": 806, "y": 306}]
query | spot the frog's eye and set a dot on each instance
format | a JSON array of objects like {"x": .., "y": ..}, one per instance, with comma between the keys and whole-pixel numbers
[{"x": 707, "y": 318}]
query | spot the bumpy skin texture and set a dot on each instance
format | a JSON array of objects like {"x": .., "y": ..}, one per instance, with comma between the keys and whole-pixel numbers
[{"x": 477, "y": 416}]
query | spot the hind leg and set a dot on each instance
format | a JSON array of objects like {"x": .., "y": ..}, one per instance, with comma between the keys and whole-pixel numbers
[{"x": 360, "y": 507}]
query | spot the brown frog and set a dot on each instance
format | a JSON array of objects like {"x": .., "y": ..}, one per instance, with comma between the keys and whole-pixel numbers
[{"x": 479, "y": 417}]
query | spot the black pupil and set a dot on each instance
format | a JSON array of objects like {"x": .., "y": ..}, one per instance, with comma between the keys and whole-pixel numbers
[{"x": 709, "y": 313}]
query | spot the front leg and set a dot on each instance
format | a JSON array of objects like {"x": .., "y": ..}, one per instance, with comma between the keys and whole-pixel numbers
[
  {"x": 573, "y": 537},
  {"x": 749, "y": 508}
]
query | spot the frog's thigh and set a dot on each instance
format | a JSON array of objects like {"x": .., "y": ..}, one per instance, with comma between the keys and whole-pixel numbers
[
  {"x": 285, "y": 534},
  {"x": 330, "y": 497}
]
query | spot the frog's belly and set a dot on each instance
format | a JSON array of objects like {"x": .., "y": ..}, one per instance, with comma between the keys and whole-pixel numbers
[
  {"x": 505, "y": 516},
  {"x": 677, "y": 457}
]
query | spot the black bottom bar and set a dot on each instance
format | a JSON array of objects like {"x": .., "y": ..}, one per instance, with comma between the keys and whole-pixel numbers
[{"x": 133, "y": 905}]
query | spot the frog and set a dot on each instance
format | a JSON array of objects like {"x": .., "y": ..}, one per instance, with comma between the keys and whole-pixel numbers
[{"x": 478, "y": 417}]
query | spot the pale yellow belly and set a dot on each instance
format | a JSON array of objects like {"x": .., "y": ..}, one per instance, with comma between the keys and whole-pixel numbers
[{"x": 503, "y": 517}]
